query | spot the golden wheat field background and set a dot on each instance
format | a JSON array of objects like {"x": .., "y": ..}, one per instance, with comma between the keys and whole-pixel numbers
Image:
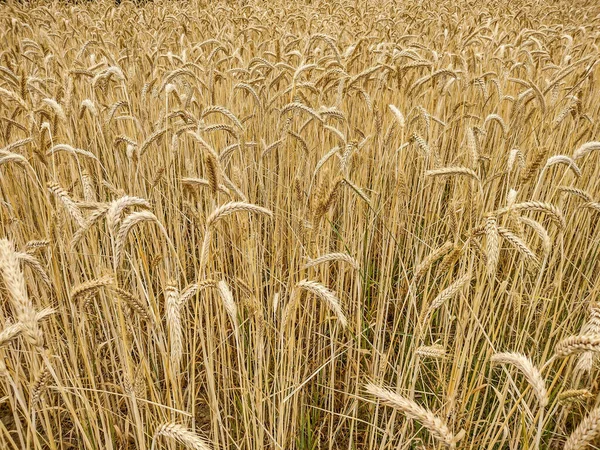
[{"x": 322, "y": 224}]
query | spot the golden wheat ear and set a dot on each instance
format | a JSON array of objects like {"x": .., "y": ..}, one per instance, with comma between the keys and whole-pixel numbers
[
  {"x": 435, "y": 425},
  {"x": 532, "y": 374},
  {"x": 181, "y": 434}
]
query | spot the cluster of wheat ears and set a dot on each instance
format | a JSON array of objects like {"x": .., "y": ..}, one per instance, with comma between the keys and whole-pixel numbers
[{"x": 322, "y": 224}]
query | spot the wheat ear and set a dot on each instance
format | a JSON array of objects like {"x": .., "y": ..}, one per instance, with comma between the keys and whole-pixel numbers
[
  {"x": 233, "y": 207},
  {"x": 585, "y": 432},
  {"x": 436, "y": 426},
  {"x": 447, "y": 294},
  {"x": 67, "y": 202},
  {"x": 343, "y": 257},
  {"x": 586, "y": 149},
  {"x": 116, "y": 208},
  {"x": 431, "y": 259},
  {"x": 180, "y": 434},
  {"x": 173, "y": 317},
  {"x": 328, "y": 296},
  {"x": 90, "y": 286},
  {"x": 398, "y": 115},
  {"x": 445, "y": 171},
  {"x": 229, "y": 303},
  {"x": 492, "y": 245},
  {"x": 532, "y": 374},
  {"x": 15, "y": 284},
  {"x": 578, "y": 344},
  {"x": 128, "y": 223}
]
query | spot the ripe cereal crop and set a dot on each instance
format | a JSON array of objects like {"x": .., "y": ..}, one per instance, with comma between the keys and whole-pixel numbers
[{"x": 314, "y": 224}]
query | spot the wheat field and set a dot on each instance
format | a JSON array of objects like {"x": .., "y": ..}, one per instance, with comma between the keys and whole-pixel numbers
[{"x": 324, "y": 224}]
